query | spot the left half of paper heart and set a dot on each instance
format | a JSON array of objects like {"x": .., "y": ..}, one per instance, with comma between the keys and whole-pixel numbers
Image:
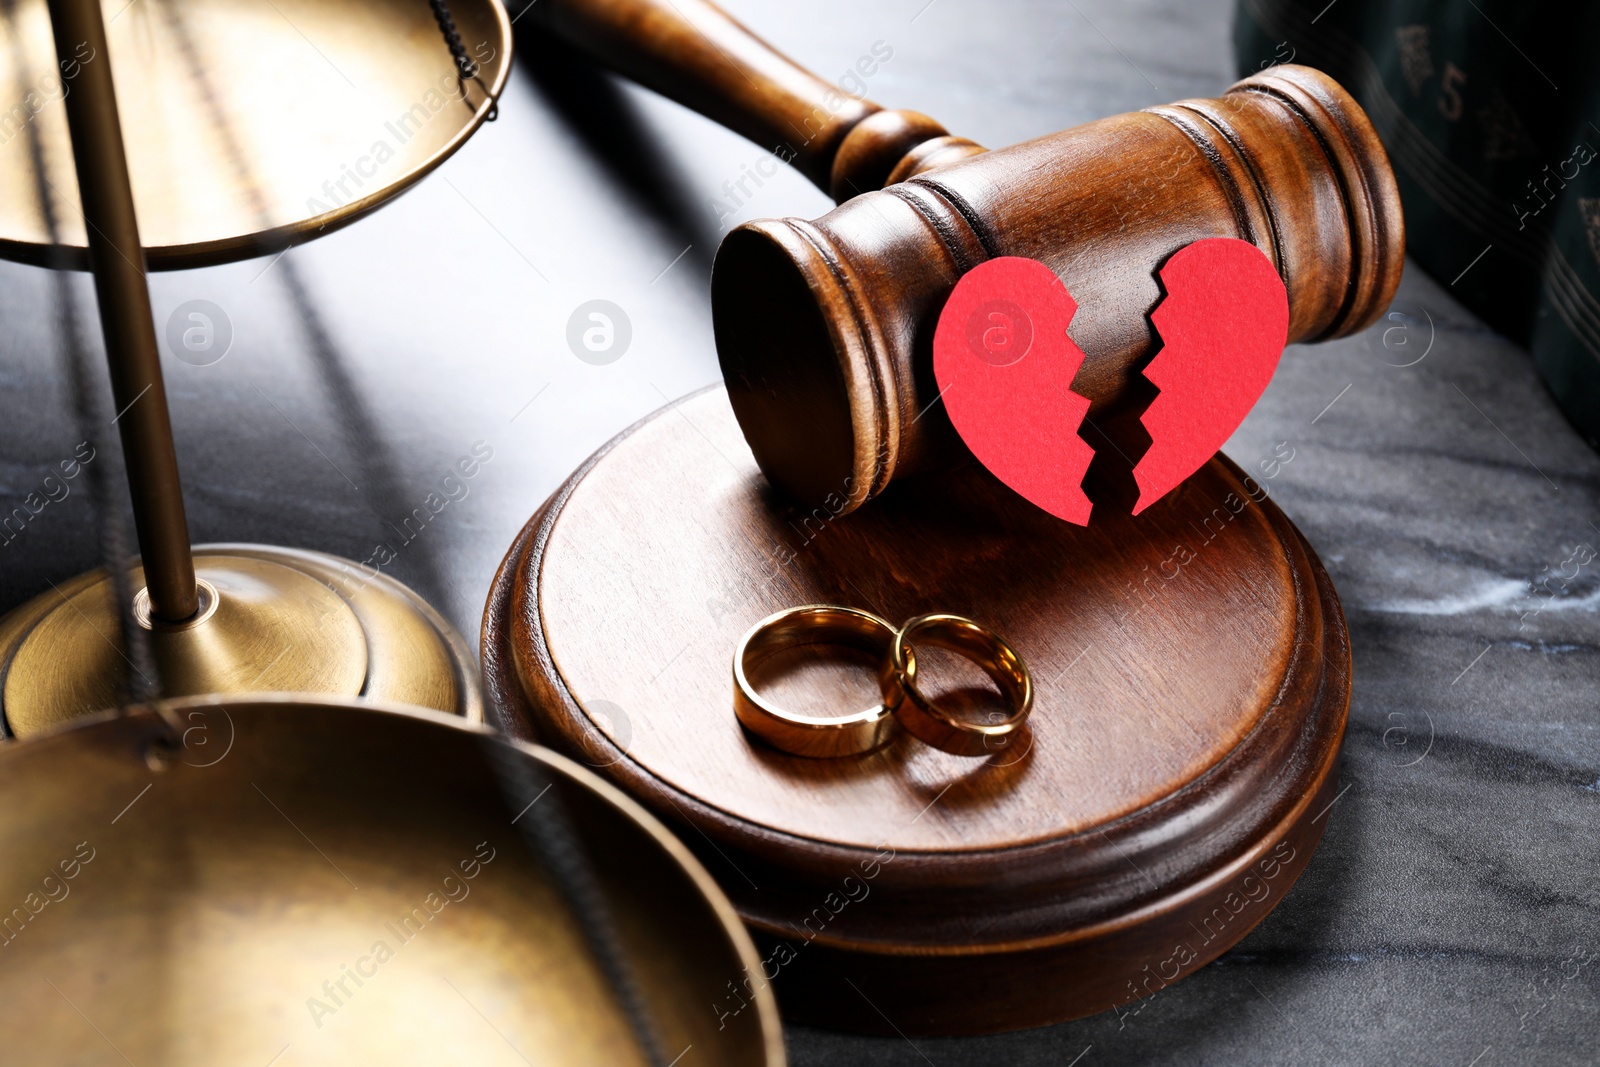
[{"x": 1004, "y": 365}]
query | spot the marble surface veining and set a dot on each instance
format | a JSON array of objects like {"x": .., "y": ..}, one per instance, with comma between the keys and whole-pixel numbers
[{"x": 1450, "y": 916}]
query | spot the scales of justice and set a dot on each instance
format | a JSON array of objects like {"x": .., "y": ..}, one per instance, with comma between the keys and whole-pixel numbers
[{"x": 271, "y": 852}]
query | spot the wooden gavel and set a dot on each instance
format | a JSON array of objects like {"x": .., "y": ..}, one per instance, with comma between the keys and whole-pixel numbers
[{"x": 824, "y": 329}]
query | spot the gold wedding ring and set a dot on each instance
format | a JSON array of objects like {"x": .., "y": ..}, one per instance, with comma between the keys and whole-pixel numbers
[
  {"x": 924, "y": 719},
  {"x": 804, "y": 735}
]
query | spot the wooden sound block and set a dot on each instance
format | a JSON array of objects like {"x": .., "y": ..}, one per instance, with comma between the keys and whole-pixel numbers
[{"x": 1192, "y": 673}]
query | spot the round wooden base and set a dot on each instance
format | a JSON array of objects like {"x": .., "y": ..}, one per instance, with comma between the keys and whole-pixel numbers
[{"x": 1193, "y": 679}]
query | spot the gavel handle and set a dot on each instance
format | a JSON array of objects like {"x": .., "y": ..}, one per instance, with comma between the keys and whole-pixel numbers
[{"x": 695, "y": 53}]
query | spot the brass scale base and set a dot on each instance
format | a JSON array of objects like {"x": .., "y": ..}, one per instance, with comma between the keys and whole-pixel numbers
[{"x": 270, "y": 620}]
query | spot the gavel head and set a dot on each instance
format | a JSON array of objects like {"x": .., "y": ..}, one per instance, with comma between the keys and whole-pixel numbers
[{"x": 824, "y": 329}]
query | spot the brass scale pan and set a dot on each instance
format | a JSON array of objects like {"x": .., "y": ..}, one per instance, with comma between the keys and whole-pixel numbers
[
  {"x": 285, "y": 879},
  {"x": 333, "y": 107},
  {"x": 333, "y": 882}
]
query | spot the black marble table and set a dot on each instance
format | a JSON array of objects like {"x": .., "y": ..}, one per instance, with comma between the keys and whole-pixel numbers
[{"x": 1450, "y": 916}]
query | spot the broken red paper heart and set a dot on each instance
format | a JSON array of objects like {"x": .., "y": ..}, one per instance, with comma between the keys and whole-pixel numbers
[
  {"x": 1005, "y": 365},
  {"x": 1223, "y": 325}
]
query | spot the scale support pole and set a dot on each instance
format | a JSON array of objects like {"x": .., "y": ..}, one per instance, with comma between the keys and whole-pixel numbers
[{"x": 117, "y": 259}]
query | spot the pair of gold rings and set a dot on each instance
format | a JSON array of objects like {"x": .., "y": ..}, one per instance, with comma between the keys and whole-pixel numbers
[{"x": 903, "y": 705}]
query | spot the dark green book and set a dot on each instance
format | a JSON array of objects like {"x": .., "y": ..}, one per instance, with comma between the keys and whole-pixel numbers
[{"x": 1490, "y": 111}]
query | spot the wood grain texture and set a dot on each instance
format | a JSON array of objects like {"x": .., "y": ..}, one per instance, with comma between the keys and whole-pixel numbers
[{"x": 1187, "y": 716}]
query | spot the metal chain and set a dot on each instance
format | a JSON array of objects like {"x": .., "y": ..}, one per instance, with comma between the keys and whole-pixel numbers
[{"x": 466, "y": 67}]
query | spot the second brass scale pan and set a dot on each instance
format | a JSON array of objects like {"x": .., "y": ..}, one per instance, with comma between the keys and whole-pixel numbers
[
  {"x": 302, "y": 882},
  {"x": 330, "y": 107}
]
